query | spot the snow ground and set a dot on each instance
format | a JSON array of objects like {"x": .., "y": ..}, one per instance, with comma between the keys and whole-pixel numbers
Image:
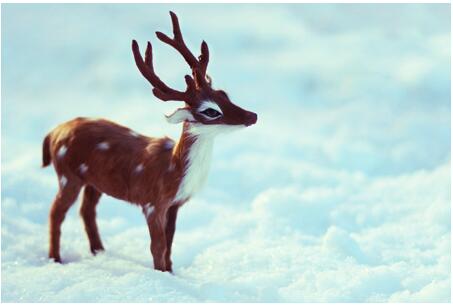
[{"x": 340, "y": 193}]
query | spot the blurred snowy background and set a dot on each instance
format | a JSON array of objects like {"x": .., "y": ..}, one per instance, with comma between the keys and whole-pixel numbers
[{"x": 341, "y": 192}]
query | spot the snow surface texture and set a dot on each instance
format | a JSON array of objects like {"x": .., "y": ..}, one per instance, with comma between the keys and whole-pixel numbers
[{"x": 341, "y": 192}]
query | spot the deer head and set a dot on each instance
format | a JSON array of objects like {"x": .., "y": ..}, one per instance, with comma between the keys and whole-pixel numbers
[{"x": 205, "y": 107}]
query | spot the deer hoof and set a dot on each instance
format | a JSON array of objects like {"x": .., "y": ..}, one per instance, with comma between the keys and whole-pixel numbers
[
  {"x": 95, "y": 251},
  {"x": 55, "y": 259}
]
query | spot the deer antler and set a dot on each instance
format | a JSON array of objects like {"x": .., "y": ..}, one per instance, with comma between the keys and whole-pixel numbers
[
  {"x": 161, "y": 90},
  {"x": 199, "y": 66}
]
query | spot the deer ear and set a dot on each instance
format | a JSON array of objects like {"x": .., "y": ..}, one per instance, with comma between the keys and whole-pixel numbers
[{"x": 180, "y": 115}]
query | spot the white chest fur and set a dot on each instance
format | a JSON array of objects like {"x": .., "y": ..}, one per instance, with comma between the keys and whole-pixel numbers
[{"x": 197, "y": 167}]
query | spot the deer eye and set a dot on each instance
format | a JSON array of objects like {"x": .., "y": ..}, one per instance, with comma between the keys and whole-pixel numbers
[{"x": 212, "y": 113}]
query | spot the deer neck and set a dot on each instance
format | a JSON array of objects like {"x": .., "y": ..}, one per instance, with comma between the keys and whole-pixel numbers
[{"x": 193, "y": 156}]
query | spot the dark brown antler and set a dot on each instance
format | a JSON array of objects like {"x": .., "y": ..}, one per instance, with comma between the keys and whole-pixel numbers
[
  {"x": 199, "y": 66},
  {"x": 161, "y": 90}
]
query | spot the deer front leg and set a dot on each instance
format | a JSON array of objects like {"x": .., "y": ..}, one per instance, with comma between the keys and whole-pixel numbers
[
  {"x": 170, "y": 232},
  {"x": 156, "y": 220}
]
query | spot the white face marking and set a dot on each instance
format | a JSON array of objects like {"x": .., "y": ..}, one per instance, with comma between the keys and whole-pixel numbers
[
  {"x": 103, "y": 146},
  {"x": 62, "y": 151},
  {"x": 138, "y": 168},
  {"x": 83, "y": 168},
  {"x": 169, "y": 144},
  {"x": 209, "y": 104},
  {"x": 133, "y": 133},
  {"x": 63, "y": 181},
  {"x": 148, "y": 210},
  {"x": 206, "y": 105}
]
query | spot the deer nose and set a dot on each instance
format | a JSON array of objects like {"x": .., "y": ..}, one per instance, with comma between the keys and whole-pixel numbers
[{"x": 251, "y": 118}]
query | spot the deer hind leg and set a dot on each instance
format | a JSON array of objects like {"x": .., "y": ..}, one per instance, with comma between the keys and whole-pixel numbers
[
  {"x": 170, "y": 232},
  {"x": 65, "y": 198},
  {"x": 91, "y": 198},
  {"x": 156, "y": 220}
]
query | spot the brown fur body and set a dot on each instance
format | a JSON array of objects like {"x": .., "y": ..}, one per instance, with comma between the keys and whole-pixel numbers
[{"x": 108, "y": 158}]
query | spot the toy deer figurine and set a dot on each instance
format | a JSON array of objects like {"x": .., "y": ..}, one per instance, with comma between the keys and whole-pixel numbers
[{"x": 154, "y": 173}]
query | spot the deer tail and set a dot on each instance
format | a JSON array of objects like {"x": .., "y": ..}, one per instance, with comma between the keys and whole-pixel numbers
[{"x": 46, "y": 158}]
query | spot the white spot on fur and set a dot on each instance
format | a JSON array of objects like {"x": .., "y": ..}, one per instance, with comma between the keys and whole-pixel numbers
[
  {"x": 103, "y": 146},
  {"x": 83, "y": 168},
  {"x": 171, "y": 167},
  {"x": 63, "y": 181},
  {"x": 134, "y": 134},
  {"x": 62, "y": 151},
  {"x": 139, "y": 168},
  {"x": 169, "y": 144},
  {"x": 148, "y": 210}
]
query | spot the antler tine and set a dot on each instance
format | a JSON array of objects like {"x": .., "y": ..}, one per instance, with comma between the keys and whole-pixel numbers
[
  {"x": 198, "y": 66},
  {"x": 149, "y": 56},
  {"x": 190, "y": 82},
  {"x": 178, "y": 42},
  {"x": 204, "y": 57},
  {"x": 161, "y": 90}
]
